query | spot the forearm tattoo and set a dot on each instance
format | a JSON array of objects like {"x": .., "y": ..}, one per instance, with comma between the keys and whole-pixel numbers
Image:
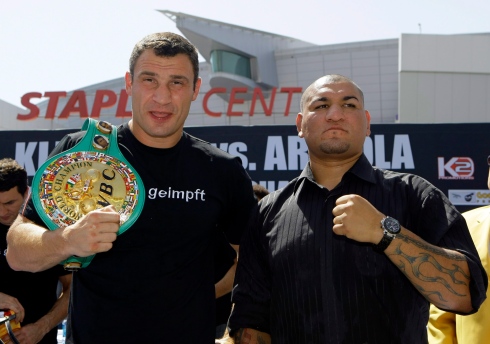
[{"x": 448, "y": 278}]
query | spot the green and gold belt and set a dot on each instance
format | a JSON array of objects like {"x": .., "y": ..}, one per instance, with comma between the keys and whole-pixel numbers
[{"x": 90, "y": 175}]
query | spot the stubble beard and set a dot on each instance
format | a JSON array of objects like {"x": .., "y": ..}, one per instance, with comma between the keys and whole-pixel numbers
[{"x": 334, "y": 147}]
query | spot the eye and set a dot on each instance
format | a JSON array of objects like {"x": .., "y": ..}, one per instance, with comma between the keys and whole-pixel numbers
[
  {"x": 322, "y": 106},
  {"x": 178, "y": 82}
]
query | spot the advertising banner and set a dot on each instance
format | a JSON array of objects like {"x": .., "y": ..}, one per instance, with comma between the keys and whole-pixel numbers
[{"x": 451, "y": 156}]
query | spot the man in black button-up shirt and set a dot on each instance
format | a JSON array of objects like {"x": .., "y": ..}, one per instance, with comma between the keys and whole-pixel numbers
[{"x": 309, "y": 271}]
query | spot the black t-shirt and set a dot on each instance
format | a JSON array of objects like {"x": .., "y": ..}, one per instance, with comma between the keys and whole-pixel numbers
[
  {"x": 36, "y": 292},
  {"x": 156, "y": 285}
]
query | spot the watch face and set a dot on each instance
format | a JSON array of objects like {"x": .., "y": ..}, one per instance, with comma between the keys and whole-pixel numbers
[{"x": 391, "y": 225}]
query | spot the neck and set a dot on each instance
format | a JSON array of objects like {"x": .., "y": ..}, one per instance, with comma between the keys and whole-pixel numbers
[
  {"x": 329, "y": 173},
  {"x": 155, "y": 141}
]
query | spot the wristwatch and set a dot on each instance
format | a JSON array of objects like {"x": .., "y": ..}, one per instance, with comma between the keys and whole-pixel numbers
[{"x": 391, "y": 227}]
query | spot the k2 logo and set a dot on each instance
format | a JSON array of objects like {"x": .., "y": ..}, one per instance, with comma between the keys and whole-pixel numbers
[{"x": 456, "y": 168}]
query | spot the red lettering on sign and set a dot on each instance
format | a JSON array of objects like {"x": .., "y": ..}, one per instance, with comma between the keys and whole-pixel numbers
[
  {"x": 78, "y": 97},
  {"x": 34, "y": 110},
  {"x": 206, "y": 99},
  {"x": 290, "y": 91},
  {"x": 121, "y": 106},
  {"x": 258, "y": 94},
  {"x": 103, "y": 99},
  {"x": 53, "y": 103},
  {"x": 234, "y": 100},
  {"x": 108, "y": 98}
]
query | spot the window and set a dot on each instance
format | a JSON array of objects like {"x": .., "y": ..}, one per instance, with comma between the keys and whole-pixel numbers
[{"x": 225, "y": 61}]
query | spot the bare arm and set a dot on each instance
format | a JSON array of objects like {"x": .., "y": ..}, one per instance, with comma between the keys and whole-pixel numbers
[
  {"x": 34, "y": 248},
  {"x": 225, "y": 285},
  {"x": 250, "y": 336},
  {"x": 442, "y": 276},
  {"x": 33, "y": 333}
]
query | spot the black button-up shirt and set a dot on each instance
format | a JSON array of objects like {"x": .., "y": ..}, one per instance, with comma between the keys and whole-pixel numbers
[{"x": 302, "y": 283}]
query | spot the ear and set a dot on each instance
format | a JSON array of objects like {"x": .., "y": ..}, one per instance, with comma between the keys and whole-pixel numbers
[
  {"x": 197, "y": 86},
  {"x": 368, "y": 123},
  {"x": 129, "y": 84},
  {"x": 299, "y": 121}
]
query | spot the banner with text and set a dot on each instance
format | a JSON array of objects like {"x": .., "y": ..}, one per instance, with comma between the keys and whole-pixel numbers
[{"x": 451, "y": 156}]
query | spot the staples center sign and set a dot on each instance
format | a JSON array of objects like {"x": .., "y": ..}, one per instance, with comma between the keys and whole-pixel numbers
[{"x": 104, "y": 99}]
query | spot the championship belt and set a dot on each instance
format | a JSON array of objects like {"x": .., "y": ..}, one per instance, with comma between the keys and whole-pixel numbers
[
  {"x": 7, "y": 327},
  {"x": 90, "y": 175}
]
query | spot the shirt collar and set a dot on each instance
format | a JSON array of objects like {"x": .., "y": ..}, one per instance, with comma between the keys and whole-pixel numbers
[{"x": 361, "y": 169}]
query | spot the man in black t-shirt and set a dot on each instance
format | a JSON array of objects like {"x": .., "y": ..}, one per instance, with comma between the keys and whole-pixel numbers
[
  {"x": 31, "y": 296},
  {"x": 154, "y": 283}
]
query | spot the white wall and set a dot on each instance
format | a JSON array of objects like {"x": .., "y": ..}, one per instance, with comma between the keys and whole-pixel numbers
[{"x": 444, "y": 78}]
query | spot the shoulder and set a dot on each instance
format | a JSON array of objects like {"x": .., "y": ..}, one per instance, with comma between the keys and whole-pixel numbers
[
  {"x": 404, "y": 177},
  {"x": 392, "y": 179},
  {"x": 206, "y": 149},
  {"x": 406, "y": 180},
  {"x": 72, "y": 138},
  {"x": 419, "y": 192},
  {"x": 278, "y": 197},
  {"x": 67, "y": 142}
]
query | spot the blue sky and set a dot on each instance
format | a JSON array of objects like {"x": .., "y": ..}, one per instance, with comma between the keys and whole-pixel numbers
[{"x": 61, "y": 45}]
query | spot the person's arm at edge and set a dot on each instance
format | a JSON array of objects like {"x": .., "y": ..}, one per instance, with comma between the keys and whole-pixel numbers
[
  {"x": 32, "y": 247},
  {"x": 251, "y": 336},
  {"x": 225, "y": 284},
  {"x": 59, "y": 310},
  {"x": 441, "y": 328}
]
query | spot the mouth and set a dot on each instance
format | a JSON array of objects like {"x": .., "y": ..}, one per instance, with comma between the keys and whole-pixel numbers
[
  {"x": 159, "y": 115},
  {"x": 337, "y": 127},
  {"x": 334, "y": 129}
]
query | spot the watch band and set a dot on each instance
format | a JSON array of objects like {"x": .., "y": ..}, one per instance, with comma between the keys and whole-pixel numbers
[
  {"x": 385, "y": 242},
  {"x": 90, "y": 175}
]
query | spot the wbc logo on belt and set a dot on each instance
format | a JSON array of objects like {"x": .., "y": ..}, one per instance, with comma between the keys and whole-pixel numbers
[{"x": 80, "y": 182}]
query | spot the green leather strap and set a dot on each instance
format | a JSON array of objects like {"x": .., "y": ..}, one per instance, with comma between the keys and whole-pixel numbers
[{"x": 90, "y": 175}]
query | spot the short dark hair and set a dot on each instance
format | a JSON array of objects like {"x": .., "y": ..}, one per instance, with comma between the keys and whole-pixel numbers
[
  {"x": 166, "y": 44},
  {"x": 11, "y": 175}
]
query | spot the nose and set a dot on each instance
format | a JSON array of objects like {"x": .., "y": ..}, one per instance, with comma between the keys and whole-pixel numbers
[
  {"x": 162, "y": 95},
  {"x": 335, "y": 113}
]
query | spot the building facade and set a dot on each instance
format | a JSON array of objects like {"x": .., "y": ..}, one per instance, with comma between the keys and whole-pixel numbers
[{"x": 252, "y": 77}]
